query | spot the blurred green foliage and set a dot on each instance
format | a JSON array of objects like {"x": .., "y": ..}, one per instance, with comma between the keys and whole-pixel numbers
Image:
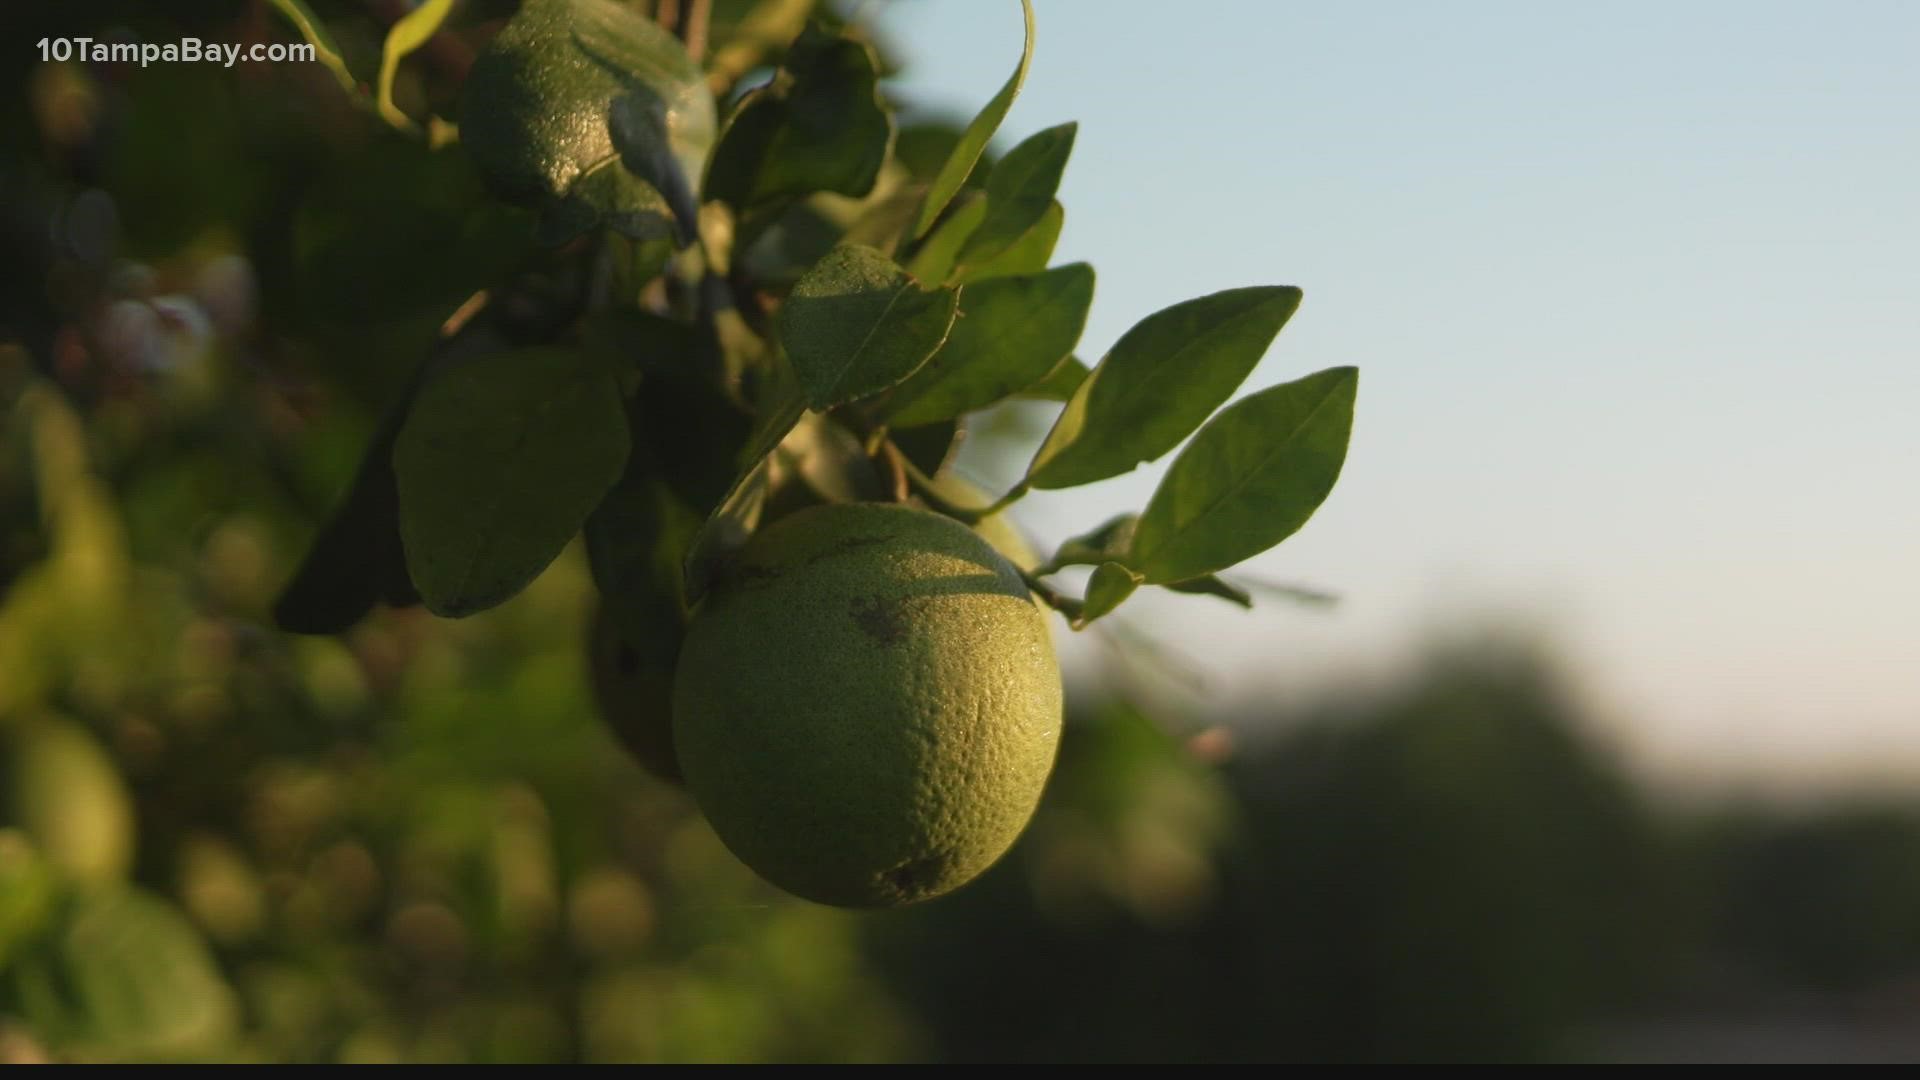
[{"x": 415, "y": 841}]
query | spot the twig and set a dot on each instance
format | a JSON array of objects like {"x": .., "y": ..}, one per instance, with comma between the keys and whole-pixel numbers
[
  {"x": 1053, "y": 598},
  {"x": 892, "y": 461},
  {"x": 694, "y": 32},
  {"x": 968, "y": 515},
  {"x": 1012, "y": 496},
  {"x": 464, "y": 314},
  {"x": 924, "y": 487}
]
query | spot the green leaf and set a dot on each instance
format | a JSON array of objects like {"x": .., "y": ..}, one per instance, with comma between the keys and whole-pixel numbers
[
  {"x": 726, "y": 529},
  {"x": 883, "y": 221},
  {"x": 734, "y": 516},
  {"x": 499, "y": 464},
  {"x": 356, "y": 559},
  {"x": 1107, "y": 543},
  {"x": 788, "y": 244},
  {"x": 633, "y": 530},
  {"x": 29, "y": 893},
  {"x": 1162, "y": 379},
  {"x": 315, "y": 32},
  {"x": 929, "y": 448},
  {"x": 1242, "y": 594},
  {"x": 1029, "y": 253},
  {"x": 856, "y": 324},
  {"x": 361, "y": 254},
  {"x": 830, "y": 461},
  {"x": 1249, "y": 479},
  {"x": 819, "y": 126},
  {"x": 786, "y": 405},
  {"x": 571, "y": 87},
  {"x": 1009, "y": 334},
  {"x": 1060, "y": 383},
  {"x": 1107, "y": 589},
  {"x": 649, "y": 343},
  {"x": 127, "y": 976},
  {"x": 631, "y": 665},
  {"x": 1212, "y": 585},
  {"x": 934, "y": 259},
  {"x": 922, "y": 147},
  {"x": 938, "y": 258},
  {"x": 635, "y": 541},
  {"x": 411, "y": 31},
  {"x": 1020, "y": 192},
  {"x": 696, "y": 433},
  {"x": 686, "y": 437},
  {"x": 946, "y": 183}
]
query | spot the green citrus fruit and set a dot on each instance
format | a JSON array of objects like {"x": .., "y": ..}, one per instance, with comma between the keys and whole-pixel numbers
[
  {"x": 867, "y": 706},
  {"x": 569, "y": 90},
  {"x": 635, "y": 697}
]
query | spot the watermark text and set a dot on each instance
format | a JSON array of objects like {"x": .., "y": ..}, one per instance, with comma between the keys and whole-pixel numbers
[{"x": 185, "y": 51}]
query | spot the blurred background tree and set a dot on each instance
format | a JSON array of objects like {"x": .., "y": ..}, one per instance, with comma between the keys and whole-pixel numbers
[{"x": 416, "y": 842}]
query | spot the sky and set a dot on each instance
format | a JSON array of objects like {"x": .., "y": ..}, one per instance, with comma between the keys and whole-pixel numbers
[{"x": 1634, "y": 290}]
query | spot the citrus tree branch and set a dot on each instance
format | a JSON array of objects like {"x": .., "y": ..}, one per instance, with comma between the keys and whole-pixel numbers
[
  {"x": 923, "y": 486},
  {"x": 693, "y": 29},
  {"x": 1052, "y": 597}
]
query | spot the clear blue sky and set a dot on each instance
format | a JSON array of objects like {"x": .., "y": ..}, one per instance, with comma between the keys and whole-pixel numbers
[{"x": 1635, "y": 292}]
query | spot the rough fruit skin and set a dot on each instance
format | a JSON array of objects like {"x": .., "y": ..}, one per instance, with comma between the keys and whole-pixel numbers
[
  {"x": 535, "y": 114},
  {"x": 997, "y": 530},
  {"x": 867, "y": 707}
]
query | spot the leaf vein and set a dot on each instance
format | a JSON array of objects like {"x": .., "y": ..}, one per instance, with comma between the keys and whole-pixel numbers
[{"x": 1185, "y": 523}]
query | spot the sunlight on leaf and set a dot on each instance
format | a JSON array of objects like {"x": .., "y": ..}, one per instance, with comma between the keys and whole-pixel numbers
[
  {"x": 946, "y": 183},
  {"x": 413, "y": 30}
]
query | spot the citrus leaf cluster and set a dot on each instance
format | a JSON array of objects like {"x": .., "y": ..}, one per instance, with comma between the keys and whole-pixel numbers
[{"x": 719, "y": 318}]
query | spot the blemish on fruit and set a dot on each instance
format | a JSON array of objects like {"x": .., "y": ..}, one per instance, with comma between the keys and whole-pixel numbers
[{"x": 879, "y": 619}]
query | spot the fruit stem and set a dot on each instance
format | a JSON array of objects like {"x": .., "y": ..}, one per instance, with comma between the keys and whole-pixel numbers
[
  {"x": 695, "y": 30},
  {"x": 964, "y": 514},
  {"x": 923, "y": 486},
  {"x": 1053, "y": 598},
  {"x": 1006, "y": 500},
  {"x": 688, "y": 19}
]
